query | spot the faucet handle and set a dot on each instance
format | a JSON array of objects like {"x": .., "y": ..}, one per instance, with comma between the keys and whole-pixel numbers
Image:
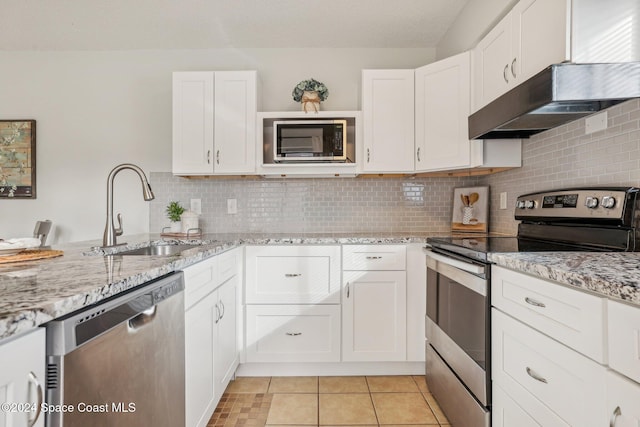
[{"x": 118, "y": 230}]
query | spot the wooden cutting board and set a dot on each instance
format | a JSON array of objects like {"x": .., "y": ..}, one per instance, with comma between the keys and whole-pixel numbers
[{"x": 30, "y": 255}]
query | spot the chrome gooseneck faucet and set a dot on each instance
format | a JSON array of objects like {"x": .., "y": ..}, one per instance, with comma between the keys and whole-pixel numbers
[{"x": 110, "y": 231}]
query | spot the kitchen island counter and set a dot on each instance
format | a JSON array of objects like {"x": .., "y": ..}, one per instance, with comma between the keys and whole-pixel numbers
[{"x": 614, "y": 275}]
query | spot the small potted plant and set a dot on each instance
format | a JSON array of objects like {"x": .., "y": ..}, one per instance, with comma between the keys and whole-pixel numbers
[
  {"x": 310, "y": 93},
  {"x": 174, "y": 211}
]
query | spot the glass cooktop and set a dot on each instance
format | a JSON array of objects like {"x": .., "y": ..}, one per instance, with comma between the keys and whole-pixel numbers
[{"x": 478, "y": 247}]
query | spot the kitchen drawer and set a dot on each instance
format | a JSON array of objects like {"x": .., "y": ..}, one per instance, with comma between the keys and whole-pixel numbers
[
  {"x": 624, "y": 339},
  {"x": 228, "y": 264},
  {"x": 199, "y": 280},
  {"x": 507, "y": 413},
  {"x": 623, "y": 398},
  {"x": 292, "y": 274},
  {"x": 528, "y": 363},
  {"x": 374, "y": 257},
  {"x": 573, "y": 317},
  {"x": 293, "y": 333}
]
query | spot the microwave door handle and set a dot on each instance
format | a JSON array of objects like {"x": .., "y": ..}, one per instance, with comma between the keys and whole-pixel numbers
[{"x": 471, "y": 268}]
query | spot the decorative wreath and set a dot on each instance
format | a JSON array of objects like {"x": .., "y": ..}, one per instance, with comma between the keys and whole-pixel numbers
[{"x": 310, "y": 85}]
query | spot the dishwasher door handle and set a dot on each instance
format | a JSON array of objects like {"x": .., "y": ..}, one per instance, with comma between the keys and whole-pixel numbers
[
  {"x": 468, "y": 267},
  {"x": 142, "y": 319}
]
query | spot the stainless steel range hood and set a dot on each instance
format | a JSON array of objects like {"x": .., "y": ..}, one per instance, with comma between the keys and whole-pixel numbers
[{"x": 557, "y": 95}]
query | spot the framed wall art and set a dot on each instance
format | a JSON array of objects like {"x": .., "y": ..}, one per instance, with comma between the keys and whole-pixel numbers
[
  {"x": 17, "y": 159},
  {"x": 470, "y": 209}
]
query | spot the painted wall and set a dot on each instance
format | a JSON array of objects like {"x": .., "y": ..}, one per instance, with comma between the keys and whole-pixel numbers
[
  {"x": 95, "y": 110},
  {"x": 473, "y": 22}
]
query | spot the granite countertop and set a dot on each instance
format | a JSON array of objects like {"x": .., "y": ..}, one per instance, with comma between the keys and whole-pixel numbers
[
  {"x": 35, "y": 292},
  {"x": 614, "y": 275}
]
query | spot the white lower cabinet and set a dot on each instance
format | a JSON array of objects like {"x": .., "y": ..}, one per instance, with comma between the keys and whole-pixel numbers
[
  {"x": 547, "y": 379},
  {"x": 211, "y": 349},
  {"x": 22, "y": 363},
  {"x": 293, "y": 333},
  {"x": 623, "y": 401},
  {"x": 550, "y": 349},
  {"x": 374, "y": 323}
]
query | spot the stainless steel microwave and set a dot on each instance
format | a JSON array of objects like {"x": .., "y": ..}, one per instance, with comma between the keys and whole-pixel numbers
[{"x": 310, "y": 140}]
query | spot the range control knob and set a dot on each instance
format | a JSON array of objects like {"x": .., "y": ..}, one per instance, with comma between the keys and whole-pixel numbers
[
  {"x": 591, "y": 202},
  {"x": 529, "y": 204},
  {"x": 520, "y": 204},
  {"x": 608, "y": 202}
]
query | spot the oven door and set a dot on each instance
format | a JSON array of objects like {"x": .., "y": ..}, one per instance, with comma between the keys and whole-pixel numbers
[{"x": 457, "y": 323}]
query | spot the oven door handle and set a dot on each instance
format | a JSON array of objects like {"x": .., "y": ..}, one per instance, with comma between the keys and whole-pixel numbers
[{"x": 471, "y": 268}]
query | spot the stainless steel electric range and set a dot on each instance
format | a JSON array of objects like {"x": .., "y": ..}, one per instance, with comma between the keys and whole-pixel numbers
[{"x": 458, "y": 278}]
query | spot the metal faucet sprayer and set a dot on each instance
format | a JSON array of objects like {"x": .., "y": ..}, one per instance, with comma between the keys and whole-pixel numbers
[{"x": 110, "y": 231}]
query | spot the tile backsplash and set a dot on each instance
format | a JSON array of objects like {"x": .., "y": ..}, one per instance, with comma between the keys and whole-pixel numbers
[
  {"x": 313, "y": 205},
  {"x": 559, "y": 158},
  {"x": 566, "y": 157}
]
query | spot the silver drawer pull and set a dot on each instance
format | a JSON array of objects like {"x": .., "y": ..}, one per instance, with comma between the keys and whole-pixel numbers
[
  {"x": 374, "y": 257},
  {"x": 294, "y": 334},
  {"x": 292, "y": 275},
  {"x": 534, "y": 302},
  {"x": 535, "y": 376},
  {"x": 616, "y": 413}
]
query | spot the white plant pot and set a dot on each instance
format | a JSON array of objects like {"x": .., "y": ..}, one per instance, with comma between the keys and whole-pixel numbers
[{"x": 176, "y": 227}]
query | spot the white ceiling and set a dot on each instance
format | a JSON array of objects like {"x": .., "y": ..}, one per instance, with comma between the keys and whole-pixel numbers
[{"x": 202, "y": 24}]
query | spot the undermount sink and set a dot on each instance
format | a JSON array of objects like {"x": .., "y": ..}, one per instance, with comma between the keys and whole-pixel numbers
[{"x": 165, "y": 250}]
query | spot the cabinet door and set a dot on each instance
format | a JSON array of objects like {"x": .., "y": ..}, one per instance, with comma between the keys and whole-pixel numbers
[
  {"x": 193, "y": 123},
  {"x": 623, "y": 398},
  {"x": 374, "y": 324},
  {"x": 387, "y": 109},
  {"x": 235, "y": 122},
  {"x": 491, "y": 60},
  {"x": 226, "y": 355},
  {"x": 624, "y": 339},
  {"x": 199, "y": 347},
  {"x": 442, "y": 111},
  {"x": 540, "y": 36},
  {"x": 22, "y": 378}
]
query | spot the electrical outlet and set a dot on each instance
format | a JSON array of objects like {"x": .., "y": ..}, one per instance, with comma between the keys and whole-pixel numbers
[
  {"x": 232, "y": 206},
  {"x": 595, "y": 123},
  {"x": 503, "y": 200},
  {"x": 196, "y": 206}
]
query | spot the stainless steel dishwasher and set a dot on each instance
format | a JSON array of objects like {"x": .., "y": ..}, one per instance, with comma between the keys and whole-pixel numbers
[{"x": 121, "y": 362}]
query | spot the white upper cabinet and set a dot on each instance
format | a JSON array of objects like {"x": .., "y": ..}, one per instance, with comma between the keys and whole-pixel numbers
[
  {"x": 534, "y": 35},
  {"x": 235, "y": 121},
  {"x": 387, "y": 110},
  {"x": 192, "y": 122},
  {"x": 442, "y": 95},
  {"x": 214, "y": 122}
]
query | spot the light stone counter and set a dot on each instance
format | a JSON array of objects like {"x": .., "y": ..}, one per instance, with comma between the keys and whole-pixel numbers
[
  {"x": 611, "y": 274},
  {"x": 35, "y": 292}
]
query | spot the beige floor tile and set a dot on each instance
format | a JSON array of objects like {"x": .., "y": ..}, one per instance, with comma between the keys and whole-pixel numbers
[
  {"x": 346, "y": 409},
  {"x": 249, "y": 385},
  {"x": 403, "y": 383},
  {"x": 402, "y": 408},
  {"x": 442, "y": 419},
  {"x": 294, "y": 385},
  {"x": 422, "y": 383},
  {"x": 343, "y": 385},
  {"x": 294, "y": 409}
]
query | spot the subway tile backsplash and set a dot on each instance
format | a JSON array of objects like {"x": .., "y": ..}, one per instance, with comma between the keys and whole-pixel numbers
[
  {"x": 559, "y": 158},
  {"x": 313, "y": 205},
  {"x": 565, "y": 157}
]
